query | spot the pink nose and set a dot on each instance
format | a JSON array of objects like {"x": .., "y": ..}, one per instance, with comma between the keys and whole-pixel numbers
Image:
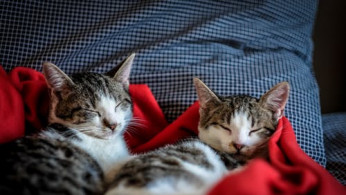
[
  {"x": 112, "y": 126},
  {"x": 238, "y": 146}
]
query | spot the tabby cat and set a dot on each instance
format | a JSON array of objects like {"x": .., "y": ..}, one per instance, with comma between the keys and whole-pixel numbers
[
  {"x": 232, "y": 130},
  {"x": 88, "y": 115}
]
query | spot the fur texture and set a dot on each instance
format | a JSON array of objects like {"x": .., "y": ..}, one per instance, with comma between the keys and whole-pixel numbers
[
  {"x": 187, "y": 167},
  {"x": 232, "y": 130},
  {"x": 240, "y": 125},
  {"x": 88, "y": 116}
]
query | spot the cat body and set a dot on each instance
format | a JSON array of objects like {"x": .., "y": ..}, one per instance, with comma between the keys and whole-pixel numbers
[
  {"x": 232, "y": 130},
  {"x": 42, "y": 165},
  {"x": 188, "y": 167},
  {"x": 106, "y": 152},
  {"x": 83, "y": 141}
]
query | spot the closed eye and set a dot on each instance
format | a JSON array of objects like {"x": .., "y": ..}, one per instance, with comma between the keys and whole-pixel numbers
[
  {"x": 124, "y": 100},
  {"x": 93, "y": 111},
  {"x": 268, "y": 131},
  {"x": 254, "y": 131},
  {"x": 225, "y": 128}
]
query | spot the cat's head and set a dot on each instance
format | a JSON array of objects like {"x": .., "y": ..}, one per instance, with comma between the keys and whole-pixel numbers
[
  {"x": 96, "y": 105},
  {"x": 239, "y": 125}
]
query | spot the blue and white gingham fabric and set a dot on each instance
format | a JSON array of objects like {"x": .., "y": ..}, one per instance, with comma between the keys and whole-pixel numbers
[
  {"x": 235, "y": 47},
  {"x": 334, "y": 126}
]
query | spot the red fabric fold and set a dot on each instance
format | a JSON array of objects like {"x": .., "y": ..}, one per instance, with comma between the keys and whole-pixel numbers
[
  {"x": 32, "y": 86},
  {"x": 148, "y": 117},
  {"x": 24, "y": 100},
  {"x": 183, "y": 127},
  {"x": 12, "y": 122}
]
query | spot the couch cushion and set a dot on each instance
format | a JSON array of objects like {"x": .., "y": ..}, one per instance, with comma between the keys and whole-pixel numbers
[
  {"x": 239, "y": 47},
  {"x": 334, "y": 126}
]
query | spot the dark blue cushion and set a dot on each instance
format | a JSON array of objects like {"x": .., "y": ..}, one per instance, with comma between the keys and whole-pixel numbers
[{"x": 334, "y": 126}]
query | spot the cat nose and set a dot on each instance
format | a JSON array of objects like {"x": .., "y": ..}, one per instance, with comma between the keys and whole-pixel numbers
[
  {"x": 112, "y": 126},
  {"x": 238, "y": 146}
]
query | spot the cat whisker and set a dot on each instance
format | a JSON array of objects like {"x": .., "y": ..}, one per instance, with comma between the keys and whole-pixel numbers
[
  {"x": 134, "y": 125},
  {"x": 137, "y": 119},
  {"x": 138, "y": 122},
  {"x": 67, "y": 133},
  {"x": 126, "y": 139},
  {"x": 86, "y": 130},
  {"x": 132, "y": 131}
]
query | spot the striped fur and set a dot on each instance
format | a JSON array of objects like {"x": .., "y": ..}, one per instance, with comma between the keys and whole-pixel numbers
[
  {"x": 232, "y": 130},
  {"x": 240, "y": 125},
  {"x": 40, "y": 165},
  {"x": 189, "y": 167},
  {"x": 78, "y": 150}
]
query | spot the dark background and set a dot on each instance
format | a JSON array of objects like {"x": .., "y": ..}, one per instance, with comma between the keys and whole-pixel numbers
[{"x": 330, "y": 54}]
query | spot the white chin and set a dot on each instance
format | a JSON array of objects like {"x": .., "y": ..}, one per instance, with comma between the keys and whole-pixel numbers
[{"x": 110, "y": 134}]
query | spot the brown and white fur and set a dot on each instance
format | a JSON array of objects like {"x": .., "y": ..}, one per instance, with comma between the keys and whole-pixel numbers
[
  {"x": 232, "y": 130},
  {"x": 100, "y": 115},
  {"x": 240, "y": 125},
  {"x": 88, "y": 115}
]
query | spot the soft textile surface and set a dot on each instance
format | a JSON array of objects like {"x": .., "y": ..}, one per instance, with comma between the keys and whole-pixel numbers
[
  {"x": 290, "y": 170},
  {"x": 11, "y": 110},
  {"x": 235, "y": 47},
  {"x": 334, "y": 127}
]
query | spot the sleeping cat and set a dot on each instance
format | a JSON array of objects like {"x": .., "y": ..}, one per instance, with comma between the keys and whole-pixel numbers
[
  {"x": 232, "y": 130},
  {"x": 88, "y": 115}
]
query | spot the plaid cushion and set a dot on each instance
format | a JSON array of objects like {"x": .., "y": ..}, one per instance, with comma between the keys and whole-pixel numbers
[
  {"x": 238, "y": 47},
  {"x": 334, "y": 126}
]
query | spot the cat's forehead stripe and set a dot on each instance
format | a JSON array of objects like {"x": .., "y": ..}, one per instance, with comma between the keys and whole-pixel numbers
[
  {"x": 240, "y": 120},
  {"x": 97, "y": 85},
  {"x": 225, "y": 111}
]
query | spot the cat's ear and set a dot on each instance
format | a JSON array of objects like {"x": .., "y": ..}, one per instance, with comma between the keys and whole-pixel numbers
[
  {"x": 121, "y": 73},
  {"x": 56, "y": 79},
  {"x": 276, "y": 98},
  {"x": 204, "y": 94}
]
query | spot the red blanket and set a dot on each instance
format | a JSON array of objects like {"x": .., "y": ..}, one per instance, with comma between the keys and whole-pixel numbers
[{"x": 24, "y": 107}]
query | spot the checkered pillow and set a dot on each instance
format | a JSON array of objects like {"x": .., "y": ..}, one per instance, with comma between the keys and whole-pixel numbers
[
  {"x": 334, "y": 126},
  {"x": 235, "y": 47}
]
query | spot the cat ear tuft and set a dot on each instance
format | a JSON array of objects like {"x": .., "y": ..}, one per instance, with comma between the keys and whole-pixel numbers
[
  {"x": 276, "y": 98},
  {"x": 204, "y": 94},
  {"x": 56, "y": 79},
  {"x": 122, "y": 72}
]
